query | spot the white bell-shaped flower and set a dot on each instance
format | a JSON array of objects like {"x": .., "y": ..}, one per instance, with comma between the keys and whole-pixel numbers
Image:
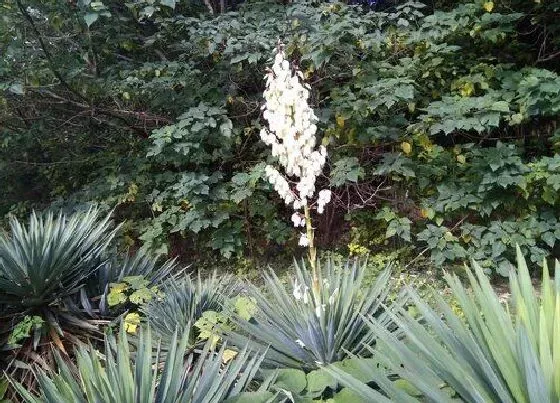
[{"x": 291, "y": 134}]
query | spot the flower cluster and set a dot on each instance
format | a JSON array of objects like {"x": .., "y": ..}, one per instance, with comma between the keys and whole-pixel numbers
[
  {"x": 291, "y": 134},
  {"x": 324, "y": 198}
]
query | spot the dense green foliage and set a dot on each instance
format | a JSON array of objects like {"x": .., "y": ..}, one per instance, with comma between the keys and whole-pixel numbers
[{"x": 440, "y": 118}]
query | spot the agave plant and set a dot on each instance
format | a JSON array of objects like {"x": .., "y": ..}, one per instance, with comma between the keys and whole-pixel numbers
[
  {"x": 184, "y": 301},
  {"x": 125, "y": 376},
  {"x": 306, "y": 330},
  {"x": 496, "y": 354}
]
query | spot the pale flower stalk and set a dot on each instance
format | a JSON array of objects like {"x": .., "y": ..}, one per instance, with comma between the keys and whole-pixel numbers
[{"x": 291, "y": 134}]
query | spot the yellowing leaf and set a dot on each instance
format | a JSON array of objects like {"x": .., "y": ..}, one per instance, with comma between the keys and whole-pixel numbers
[
  {"x": 116, "y": 294},
  {"x": 461, "y": 159},
  {"x": 340, "y": 121},
  {"x": 488, "y": 6},
  {"x": 228, "y": 356},
  {"x": 327, "y": 140},
  {"x": 118, "y": 287},
  {"x": 427, "y": 213},
  {"x": 467, "y": 89},
  {"x": 215, "y": 339},
  {"x": 131, "y": 322},
  {"x": 333, "y": 8},
  {"x": 141, "y": 296},
  {"x": 406, "y": 147},
  {"x": 185, "y": 205},
  {"x": 115, "y": 298},
  {"x": 246, "y": 307},
  {"x": 131, "y": 192}
]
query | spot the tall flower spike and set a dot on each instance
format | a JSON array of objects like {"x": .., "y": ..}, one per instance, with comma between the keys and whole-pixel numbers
[{"x": 291, "y": 134}]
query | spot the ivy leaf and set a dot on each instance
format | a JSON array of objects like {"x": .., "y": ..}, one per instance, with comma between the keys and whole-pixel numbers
[
  {"x": 406, "y": 147},
  {"x": 488, "y": 6},
  {"x": 549, "y": 238},
  {"x": 136, "y": 282},
  {"x": 500, "y": 106},
  {"x": 503, "y": 268},
  {"x": 319, "y": 380},
  {"x": 346, "y": 170},
  {"x": 246, "y": 307},
  {"x": 293, "y": 380},
  {"x": 228, "y": 355},
  {"x": 116, "y": 297},
  {"x": 141, "y": 296},
  {"x": 131, "y": 322}
]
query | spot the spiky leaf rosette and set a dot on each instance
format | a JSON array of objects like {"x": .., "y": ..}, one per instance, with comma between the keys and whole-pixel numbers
[
  {"x": 497, "y": 353},
  {"x": 45, "y": 264},
  {"x": 50, "y": 258},
  {"x": 127, "y": 376},
  {"x": 302, "y": 331},
  {"x": 185, "y": 300}
]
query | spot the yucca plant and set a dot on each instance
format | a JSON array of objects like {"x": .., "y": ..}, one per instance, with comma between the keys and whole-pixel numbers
[
  {"x": 54, "y": 276},
  {"x": 43, "y": 267},
  {"x": 495, "y": 353},
  {"x": 121, "y": 375},
  {"x": 51, "y": 257},
  {"x": 302, "y": 329},
  {"x": 185, "y": 300}
]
